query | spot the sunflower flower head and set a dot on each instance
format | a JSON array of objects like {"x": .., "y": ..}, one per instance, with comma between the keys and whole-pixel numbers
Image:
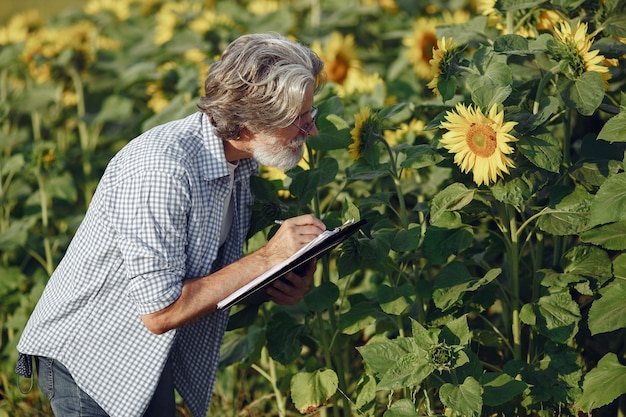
[
  {"x": 441, "y": 63},
  {"x": 420, "y": 44},
  {"x": 573, "y": 47},
  {"x": 479, "y": 142},
  {"x": 365, "y": 134},
  {"x": 338, "y": 56}
]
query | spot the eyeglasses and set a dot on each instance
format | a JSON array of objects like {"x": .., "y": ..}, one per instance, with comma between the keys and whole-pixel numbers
[{"x": 306, "y": 129}]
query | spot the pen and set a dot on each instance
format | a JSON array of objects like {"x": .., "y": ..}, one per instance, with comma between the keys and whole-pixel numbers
[{"x": 279, "y": 221}]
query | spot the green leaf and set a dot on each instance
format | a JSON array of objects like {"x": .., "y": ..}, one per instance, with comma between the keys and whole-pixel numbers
[
  {"x": 402, "y": 408},
  {"x": 456, "y": 332},
  {"x": 568, "y": 212},
  {"x": 305, "y": 184},
  {"x": 556, "y": 316},
  {"x": 466, "y": 399},
  {"x": 407, "y": 240},
  {"x": 610, "y": 236},
  {"x": 379, "y": 354},
  {"x": 452, "y": 198},
  {"x": 322, "y": 297},
  {"x": 588, "y": 261},
  {"x": 420, "y": 156},
  {"x": 115, "y": 109},
  {"x": 440, "y": 243},
  {"x": 239, "y": 346},
  {"x": 609, "y": 202},
  {"x": 543, "y": 149},
  {"x": 500, "y": 388},
  {"x": 619, "y": 266},
  {"x": 409, "y": 371},
  {"x": 283, "y": 338},
  {"x": 584, "y": 94},
  {"x": 609, "y": 312},
  {"x": 603, "y": 384},
  {"x": 454, "y": 281},
  {"x": 395, "y": 300},
  {"x": 614, "y": 130},
  {"x": 311, "y": 390},
  {"x": 511, "y": 44},
  {"x": 358, "y": 317}
]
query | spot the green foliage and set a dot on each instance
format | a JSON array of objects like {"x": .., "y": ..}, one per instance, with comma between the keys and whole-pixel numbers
[{"x": 504, "y": 298}]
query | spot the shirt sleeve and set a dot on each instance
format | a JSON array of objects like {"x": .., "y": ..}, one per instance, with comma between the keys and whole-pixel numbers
[{"x": 149, "y": 212}]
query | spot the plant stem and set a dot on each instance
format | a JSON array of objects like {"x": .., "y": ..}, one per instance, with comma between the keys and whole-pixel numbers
[
  {"x": 271, "y": 377},
  {"x": 513, "y": 261}
]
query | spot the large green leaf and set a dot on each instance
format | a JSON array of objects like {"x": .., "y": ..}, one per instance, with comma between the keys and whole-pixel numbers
[
  {"x": 610, "y": 236},
  {"x": 584, "y": 94},
  {"x": 588, "y": 261},
  {"x": 380, "y": 354},
  {"x": 408, "y": 371},
  {"x": 466, "y": 399},
  {"x": 452, "y": 198},
  {"x": 322, "y": 297},
  {"x": 454, "y": 281},
  {"x": 543, "y": 149},
  {"x": 500, "y": 388},
  {"x": 568, "y": 212},
  {"x": 603, "y": 384},
  {"x": 311, "y": 390},
  {"x": 283, "y": 338},
  {"x": 614, "y": 130},
  {"x": 609, "y": 202},
  {"x": 609, "y": 312},
  {"x": 395, "y": 300},
  {"x": 440, "y": 243},
  {"x": 556, "y": 316},
  {"x": 402, "y": 408}
]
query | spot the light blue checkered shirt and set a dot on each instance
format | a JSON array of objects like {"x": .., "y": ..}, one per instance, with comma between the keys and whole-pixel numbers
[{"x": 154, "y": 222}]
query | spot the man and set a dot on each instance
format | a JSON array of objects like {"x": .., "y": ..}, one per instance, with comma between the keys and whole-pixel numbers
[{"x": 130, "y": 312}]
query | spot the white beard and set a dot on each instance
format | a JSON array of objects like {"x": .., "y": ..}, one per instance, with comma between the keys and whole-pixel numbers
[{"x": 281, "y": 157}]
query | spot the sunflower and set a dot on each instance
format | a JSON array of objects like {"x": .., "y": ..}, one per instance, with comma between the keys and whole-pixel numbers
[
  {"x": 338, "y": 56},
  {"x": 576, "y": 49},
  {"x": 358, "y": 82},
  {"x": 479, "y": 142},
  {"x": 440, "y": 63},
  {"x": 414, "y": 127},
  {"x": 420, "y": 45},
  {"x": 366, "y": 130}
]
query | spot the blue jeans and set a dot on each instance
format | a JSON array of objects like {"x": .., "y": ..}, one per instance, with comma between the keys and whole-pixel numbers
[{"x": 68, "y": 400}]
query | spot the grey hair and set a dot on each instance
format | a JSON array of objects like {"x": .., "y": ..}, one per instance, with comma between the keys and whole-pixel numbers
[{"x": 259, "y": 82}]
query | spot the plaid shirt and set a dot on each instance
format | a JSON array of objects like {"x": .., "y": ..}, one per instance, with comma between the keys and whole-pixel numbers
[{"x": 154, "y": 222}]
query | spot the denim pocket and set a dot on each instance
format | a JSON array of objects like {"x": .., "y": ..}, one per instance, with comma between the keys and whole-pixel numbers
[{"x": 45, "y": 377}]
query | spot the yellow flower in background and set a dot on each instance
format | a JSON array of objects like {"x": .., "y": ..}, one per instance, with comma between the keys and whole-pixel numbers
[
  {"x": 338, "y": 56},
  {"x": 577, "y": 50},
  {"x": 207, "y": 21},
  {"x": 442, "y": 56},
  {"x": 261, "y": 7},
  {"x": 480, "y": 143},
  {"x": 389, "y": 6},
  {"x": 120, "y": 8},
  {"x": 358, "y": 82},
  {"x": 365, "y": 131},
  {"x": 157, "y": 100},
  {"x": 420, "y": 45},
  {"x": 169, "y": 16},
  {"x": 549, "y": 20},
  {"x": 414, "y": 127},
  {"x": 20, "y": 26}
]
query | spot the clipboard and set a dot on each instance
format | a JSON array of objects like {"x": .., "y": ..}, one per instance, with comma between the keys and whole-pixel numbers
[{"x": 252, "y": 293}]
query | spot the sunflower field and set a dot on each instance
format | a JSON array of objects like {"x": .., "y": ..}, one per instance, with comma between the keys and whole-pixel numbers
[{"x": 484, "y": 141}]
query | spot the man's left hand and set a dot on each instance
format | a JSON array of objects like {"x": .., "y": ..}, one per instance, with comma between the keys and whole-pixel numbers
[{"x": 291, "y": 288}]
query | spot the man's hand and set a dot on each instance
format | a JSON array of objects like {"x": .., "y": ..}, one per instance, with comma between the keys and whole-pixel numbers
[
  {"x": 291, "y": 288},
  {"x": 292, "y": 235}
]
